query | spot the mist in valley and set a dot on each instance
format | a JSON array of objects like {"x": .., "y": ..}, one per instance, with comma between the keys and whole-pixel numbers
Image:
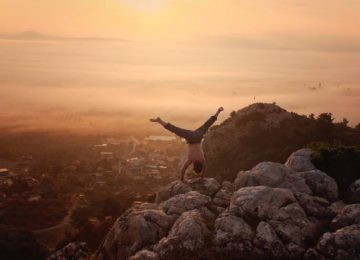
[{"x": 116, "y": 86}]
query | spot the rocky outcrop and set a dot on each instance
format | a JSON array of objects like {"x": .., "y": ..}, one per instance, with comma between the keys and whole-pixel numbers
[
  {"x": 272, "y": 211},
  {"x": 139, "y": 227},
  {"x": 344, "y": 243},
  {"x": 276, "y": 218},
  {"x": 75, "y": 251}
]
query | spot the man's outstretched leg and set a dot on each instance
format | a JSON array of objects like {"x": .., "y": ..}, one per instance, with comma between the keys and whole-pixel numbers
[
  {"x": 202, "y": 129},
  {"x": 184, "y": 133}
]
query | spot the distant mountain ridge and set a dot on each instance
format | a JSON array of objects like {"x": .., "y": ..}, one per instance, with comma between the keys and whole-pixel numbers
[{"x": 38, "y": 36}]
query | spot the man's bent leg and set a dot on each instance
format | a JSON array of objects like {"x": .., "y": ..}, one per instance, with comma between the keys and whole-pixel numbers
[
  {"x": 202, "y": 129},
  {"x": 184, "y": 133}
]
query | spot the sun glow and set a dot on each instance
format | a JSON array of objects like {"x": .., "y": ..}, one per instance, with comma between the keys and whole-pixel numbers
[{"x": 146, "y": 5}]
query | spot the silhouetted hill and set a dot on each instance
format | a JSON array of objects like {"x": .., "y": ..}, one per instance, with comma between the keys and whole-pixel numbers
[
  {"x": 37, "y": 36},
  {"x": 267, "y": 132}
]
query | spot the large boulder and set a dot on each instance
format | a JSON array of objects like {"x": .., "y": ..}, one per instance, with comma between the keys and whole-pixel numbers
[
  {"x": 273, "y": 175},
  {"x": 267, "y": 240},
  {"x": 260, "y": 202},
  {"x": 185, "y": 202},
  {"x": 206, "y": 186},
  {"x": 139, "y": 227},
  {"x": 315, "y": 206},
  {"x": 300, "y": 161},
  {"x": 74, "y": 251},
  {"x": 233, "y": 235},
  {"x": 186, "y": 238},
  {"x": 321, "y": 184}
]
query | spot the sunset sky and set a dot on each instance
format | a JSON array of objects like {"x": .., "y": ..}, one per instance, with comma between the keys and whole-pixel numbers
[
  {"x": 184, "y": 19},
  {"x": 179, "y": 59}
]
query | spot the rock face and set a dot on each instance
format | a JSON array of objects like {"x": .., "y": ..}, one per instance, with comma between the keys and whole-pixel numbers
[
  {"x": 186, "y": 237},
  {"x": 139, "y": 227},
  {"x": 272, "y": 211},
  {"x": 354, "y": 192},
  {"x": 342, "y": 244}
]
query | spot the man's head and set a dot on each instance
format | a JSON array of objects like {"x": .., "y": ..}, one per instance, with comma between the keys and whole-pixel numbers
[{"x": 198, "y": 166}]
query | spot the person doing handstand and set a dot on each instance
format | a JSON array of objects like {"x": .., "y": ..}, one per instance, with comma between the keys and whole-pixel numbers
[{"x": 193, "y": 138}]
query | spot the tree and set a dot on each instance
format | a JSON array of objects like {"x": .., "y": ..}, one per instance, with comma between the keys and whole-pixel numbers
[
  {"x": 325, "y": 118},
  {"x": 344, "y": 122},
  {"x": 357, "y": 127}
]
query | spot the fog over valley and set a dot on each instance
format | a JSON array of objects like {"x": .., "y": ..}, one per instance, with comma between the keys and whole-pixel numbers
[{"x": 109, "y": 86}]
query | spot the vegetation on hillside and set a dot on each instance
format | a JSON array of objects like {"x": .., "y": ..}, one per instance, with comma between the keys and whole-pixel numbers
[
  {"x": 339, "y": 161},
  {"x": 19, "y": 244}
]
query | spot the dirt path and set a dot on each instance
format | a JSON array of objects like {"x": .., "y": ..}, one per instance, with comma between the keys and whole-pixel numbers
[{"x": 51, "y": 236}]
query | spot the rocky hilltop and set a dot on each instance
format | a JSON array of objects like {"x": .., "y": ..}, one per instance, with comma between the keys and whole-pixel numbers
[
  {"x": 266, "y": 132},
  {"x": 273, "y": 211}
]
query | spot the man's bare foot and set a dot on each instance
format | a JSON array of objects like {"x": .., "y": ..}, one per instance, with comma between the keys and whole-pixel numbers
[
  {"x": 220, "y": 109},
  {"x": 155, "y": 120}
]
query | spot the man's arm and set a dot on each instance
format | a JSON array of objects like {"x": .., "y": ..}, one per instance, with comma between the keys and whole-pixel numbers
[{"x": 183, "y": 169}]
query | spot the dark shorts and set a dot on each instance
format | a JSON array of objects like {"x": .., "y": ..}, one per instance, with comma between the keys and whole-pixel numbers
[{"x": 192, "y": 137}]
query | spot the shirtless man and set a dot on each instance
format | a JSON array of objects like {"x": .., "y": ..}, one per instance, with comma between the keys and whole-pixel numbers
[{"x": 193, "y": 138}]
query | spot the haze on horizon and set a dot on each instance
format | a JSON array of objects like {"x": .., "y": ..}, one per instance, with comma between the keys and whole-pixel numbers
[{"x": 181, "y": 60}]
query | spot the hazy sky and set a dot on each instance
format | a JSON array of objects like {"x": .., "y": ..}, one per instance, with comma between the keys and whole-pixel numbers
[
  {"x": 181, "y": 19},
  {"x": 182, "y": 59}
]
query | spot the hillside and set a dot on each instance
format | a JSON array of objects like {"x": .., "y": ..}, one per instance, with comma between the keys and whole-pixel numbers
[{"x": 267, "y": 132}]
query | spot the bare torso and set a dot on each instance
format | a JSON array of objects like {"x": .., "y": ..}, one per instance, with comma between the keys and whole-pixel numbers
[{"x": 195, "y": 152}]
